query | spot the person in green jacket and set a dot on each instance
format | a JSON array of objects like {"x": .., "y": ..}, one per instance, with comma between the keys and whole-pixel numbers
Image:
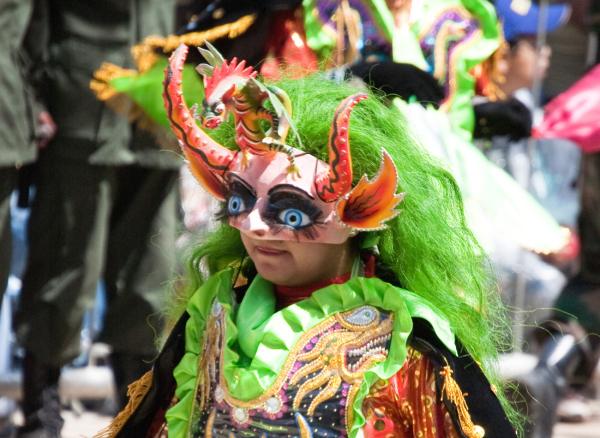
[{"x": 105, "y": 206}]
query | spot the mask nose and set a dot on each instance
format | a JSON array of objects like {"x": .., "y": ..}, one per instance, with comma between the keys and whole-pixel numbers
[{"x": 254, "y": 224}]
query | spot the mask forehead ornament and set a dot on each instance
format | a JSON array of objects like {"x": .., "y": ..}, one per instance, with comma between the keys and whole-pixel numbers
[{"x": 232, "y": 88}]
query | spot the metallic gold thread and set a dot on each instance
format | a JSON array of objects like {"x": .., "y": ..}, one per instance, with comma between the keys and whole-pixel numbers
[
  {"x": 454, "y": 394},
  {"x": 136, "y": 392}
]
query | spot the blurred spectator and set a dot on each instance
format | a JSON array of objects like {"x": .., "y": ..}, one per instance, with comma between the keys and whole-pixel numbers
[
  {"x": 523, "y": 65},
  {"x": 105, "y": 206},
  {"x": 547, "y": 169},
  {"x": 541, "y": 166},
  {"x": 570, "y": 357},
  {"x": 17, "y": 121}
]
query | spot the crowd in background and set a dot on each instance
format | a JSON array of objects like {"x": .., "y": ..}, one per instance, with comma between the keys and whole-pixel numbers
[{"x": 109, "y": 212}]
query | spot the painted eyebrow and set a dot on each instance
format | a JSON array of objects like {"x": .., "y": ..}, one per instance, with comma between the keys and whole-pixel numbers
[
  {"x": 246, "y": 185},
  {"x": 288, "y": 188}
]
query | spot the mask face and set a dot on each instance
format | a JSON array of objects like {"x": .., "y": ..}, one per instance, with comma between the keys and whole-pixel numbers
[{"x": 263, "y": 196}]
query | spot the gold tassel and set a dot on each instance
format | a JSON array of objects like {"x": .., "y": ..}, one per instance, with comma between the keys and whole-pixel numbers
[
  {"x": 144, "y": 53},
  {"x": 136, "y": 392},
  {"x": 452, "y": 392}
]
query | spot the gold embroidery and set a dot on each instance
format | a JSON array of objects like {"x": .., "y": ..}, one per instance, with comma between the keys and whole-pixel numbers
[
  {"x": 303, "y": 426},
  {"x": 350, "y": 343},
  {"x": 283, "y": 374},
  {"x": 209, "y": 423},
  {"x": 332, "y": 385},
  {"x": 452, "y": 392},
  {"x": 352, "y": 391},
  {"x": 339, "y": 342},
  {"x": 332, "y": 354}
]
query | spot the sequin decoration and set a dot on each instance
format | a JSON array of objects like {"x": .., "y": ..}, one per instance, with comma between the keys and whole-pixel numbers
[{"x": 453, "y": 30}]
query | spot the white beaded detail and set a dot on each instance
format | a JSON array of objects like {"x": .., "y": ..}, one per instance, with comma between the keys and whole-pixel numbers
[
  {"x": 273, "y": 405},
  {"x": 219, "y": 394},
  {"x": 364, "y": 315}
]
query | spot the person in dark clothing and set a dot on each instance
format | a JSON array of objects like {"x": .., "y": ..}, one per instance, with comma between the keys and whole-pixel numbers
[
  {"x": 17, "y": 118},
  {"x": 105, "y": 206}
]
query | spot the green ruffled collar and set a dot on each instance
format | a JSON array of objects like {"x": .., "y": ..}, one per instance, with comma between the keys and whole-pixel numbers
[{"x": 253, "y": 361}]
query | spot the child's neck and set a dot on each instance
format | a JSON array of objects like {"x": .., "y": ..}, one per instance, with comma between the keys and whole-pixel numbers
[{"x": 288, "y": 295}]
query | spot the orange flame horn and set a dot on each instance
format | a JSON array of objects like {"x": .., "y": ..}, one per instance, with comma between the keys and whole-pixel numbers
[
  {"x": 338, "y": 180},
  {"x": 208, "y": 159}
]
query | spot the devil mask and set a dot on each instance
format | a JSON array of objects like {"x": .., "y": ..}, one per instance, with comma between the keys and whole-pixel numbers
[{"x": 267, "y": 185}]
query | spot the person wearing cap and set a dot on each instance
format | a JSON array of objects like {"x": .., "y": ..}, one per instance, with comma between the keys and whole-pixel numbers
[
  {"x": 527, "y": 63},
  {"x": 523, "y": 64}
]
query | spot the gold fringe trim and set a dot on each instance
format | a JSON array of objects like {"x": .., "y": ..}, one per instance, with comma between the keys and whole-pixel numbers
[
  {"x": 100, "y": 84},
  {"x": 452, "y": 392},
  {"x": 136, "y": 392},
  {"x": 124, "y": 105},
  {"x": 145, "y": 55}
]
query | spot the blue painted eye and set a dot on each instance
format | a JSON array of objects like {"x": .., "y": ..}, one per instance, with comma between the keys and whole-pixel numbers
[
  {"x": 235, "y": 205},
  {"x": 292, "y": 217}
]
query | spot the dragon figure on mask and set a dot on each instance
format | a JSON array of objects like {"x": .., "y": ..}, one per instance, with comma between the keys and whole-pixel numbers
[{"x": 231, "y": 87}]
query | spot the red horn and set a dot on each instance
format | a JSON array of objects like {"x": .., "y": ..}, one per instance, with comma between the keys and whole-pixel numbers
[
  {"x": 338, "y": 180},
  {"x": 208, "y": 159}
]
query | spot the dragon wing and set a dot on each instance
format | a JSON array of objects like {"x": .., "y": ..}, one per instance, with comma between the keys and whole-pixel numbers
[{"x": 281, "y": 104}]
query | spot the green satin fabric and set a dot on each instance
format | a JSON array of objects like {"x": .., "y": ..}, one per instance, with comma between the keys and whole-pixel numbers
[
  {"x": 146, "y": 89},
  {"x": 258, "y": 339}
]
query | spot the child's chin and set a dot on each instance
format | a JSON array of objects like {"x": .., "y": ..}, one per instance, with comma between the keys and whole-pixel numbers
[{"x": 277, "y": 277}]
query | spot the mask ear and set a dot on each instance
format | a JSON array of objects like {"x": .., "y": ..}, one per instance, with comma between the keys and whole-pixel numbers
[{"x": 371, "y": 203}]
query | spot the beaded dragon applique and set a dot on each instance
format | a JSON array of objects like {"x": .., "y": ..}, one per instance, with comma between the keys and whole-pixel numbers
[{"x": 314, "y": 393}]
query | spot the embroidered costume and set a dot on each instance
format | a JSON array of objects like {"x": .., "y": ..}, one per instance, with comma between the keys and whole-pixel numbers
[{"x": 364, "y": 358}]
